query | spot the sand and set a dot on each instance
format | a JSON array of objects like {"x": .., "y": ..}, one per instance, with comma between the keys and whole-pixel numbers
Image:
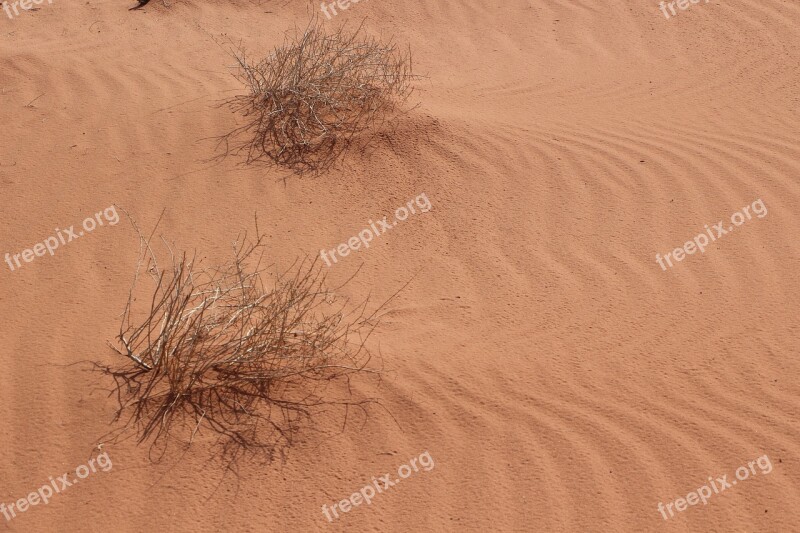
[{"x": 560, "y": 379}]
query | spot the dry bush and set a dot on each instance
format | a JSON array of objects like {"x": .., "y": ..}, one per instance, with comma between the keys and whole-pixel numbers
[
  {"x": 227, "y": 350},
  {"x": 313, "y": 95}
]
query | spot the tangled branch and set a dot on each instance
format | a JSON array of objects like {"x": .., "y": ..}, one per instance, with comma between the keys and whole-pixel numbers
[
  {"x": 227, "y": 350},
  {"x": 313, "y": 95}
]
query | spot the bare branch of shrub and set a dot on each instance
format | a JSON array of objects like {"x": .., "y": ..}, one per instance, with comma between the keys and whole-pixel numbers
[
  {"x": 235, "y": 350},
  {"x": 311, "y": 97}
]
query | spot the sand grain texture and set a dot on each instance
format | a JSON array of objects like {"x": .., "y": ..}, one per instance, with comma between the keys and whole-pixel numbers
[{"x": 558, "y": 377}]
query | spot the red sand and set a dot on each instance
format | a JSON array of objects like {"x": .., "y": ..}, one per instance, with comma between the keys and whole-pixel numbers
[{"x": 560, "y": 379}]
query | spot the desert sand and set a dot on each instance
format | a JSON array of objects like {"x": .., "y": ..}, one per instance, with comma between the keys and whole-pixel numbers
[{"x": 560, "y": 379}]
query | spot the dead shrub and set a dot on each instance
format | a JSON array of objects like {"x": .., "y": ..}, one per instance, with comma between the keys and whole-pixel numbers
[
  {"x": 236, "y": 351},
  {"x": 313, "y": 95}
]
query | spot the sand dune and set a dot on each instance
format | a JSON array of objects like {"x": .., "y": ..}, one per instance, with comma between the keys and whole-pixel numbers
[{"x": 558, "y": 377}]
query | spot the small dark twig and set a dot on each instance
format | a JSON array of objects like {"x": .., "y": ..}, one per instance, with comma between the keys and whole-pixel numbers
[
  {"x": 32, "y": 101},
  {"x": 142, "y": 3}
]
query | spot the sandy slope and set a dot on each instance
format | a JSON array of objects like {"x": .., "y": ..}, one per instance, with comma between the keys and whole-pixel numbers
[{"x": 558, "y": 377}]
